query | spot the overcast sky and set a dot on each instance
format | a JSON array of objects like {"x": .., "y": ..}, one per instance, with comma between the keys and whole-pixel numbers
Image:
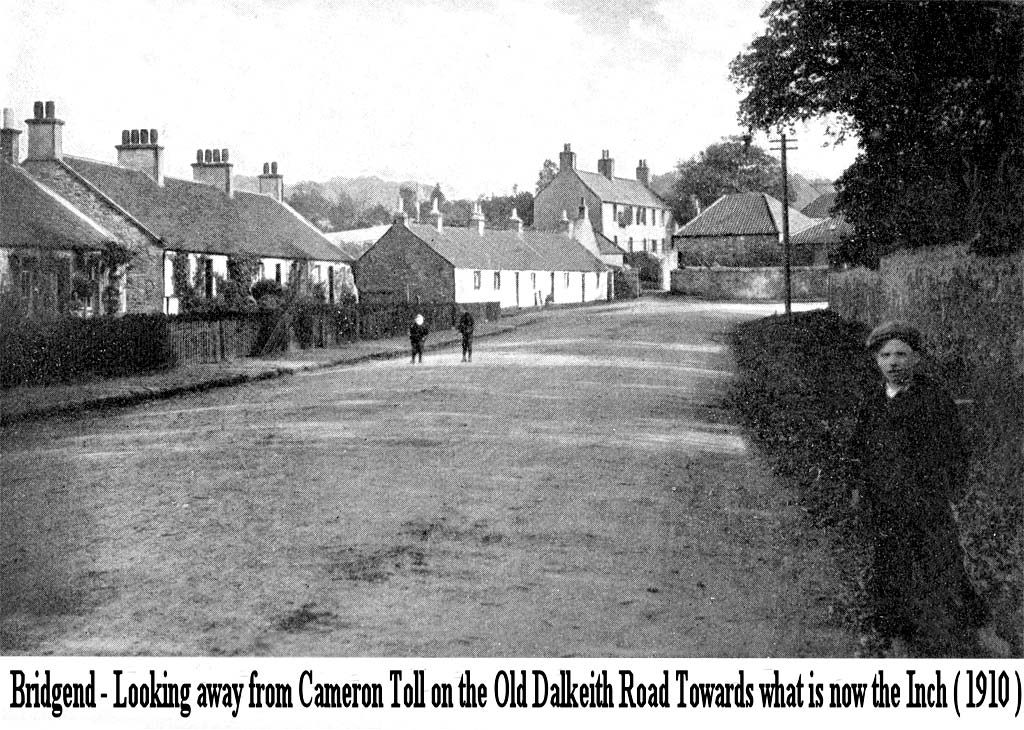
[{"x": 472, "y": 93}]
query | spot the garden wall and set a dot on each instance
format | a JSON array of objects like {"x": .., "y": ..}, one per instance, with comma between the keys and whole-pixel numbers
[{"x": 808, "y": 283}]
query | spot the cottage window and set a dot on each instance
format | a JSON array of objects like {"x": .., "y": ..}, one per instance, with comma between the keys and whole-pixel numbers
[
  {"x": 631, "y": 244},
  {"x": 566, "y": 278},
  {"x": 277, "y": 273},
  {"x": 497, "y": 280},
  {"x": 317, "y": 274},
  {"x": 476, "y": 279},
  {"x": 208, "y": 278},
  {"x": 533, "y": 280},
  {"x": 330, "y": 284}
]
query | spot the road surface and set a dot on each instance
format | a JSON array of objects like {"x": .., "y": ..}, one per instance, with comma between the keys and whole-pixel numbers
[{"x": 579, "y": 490}]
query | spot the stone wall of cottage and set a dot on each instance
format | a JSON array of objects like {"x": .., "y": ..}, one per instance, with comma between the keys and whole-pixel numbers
[
  {"x": 143, "y": 278},
  {"x": 400, "y": 267}
]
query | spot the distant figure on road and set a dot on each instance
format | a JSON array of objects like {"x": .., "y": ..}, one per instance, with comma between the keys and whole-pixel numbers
[
  {"x": 909, "y": 461},
  {"x": 465, "y": 326},
  {"x": 418, "y": 332}
]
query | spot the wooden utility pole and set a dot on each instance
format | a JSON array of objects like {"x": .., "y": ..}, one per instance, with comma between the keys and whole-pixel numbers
[{"x": 787, "y": 255}]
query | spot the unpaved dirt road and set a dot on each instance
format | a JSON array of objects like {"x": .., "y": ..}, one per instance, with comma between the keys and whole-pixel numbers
[{"x": 578, "y": 490}]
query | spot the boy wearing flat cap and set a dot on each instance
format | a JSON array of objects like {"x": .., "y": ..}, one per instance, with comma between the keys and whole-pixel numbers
[{"x": 909, "y": 461}]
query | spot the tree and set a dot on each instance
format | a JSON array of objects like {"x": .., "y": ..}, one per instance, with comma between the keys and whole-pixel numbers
[
  {"x": 311, "y": 203},
  {"x": 940, "y": 122},
  {"x": 729, "y": 166},
  {"x": 548, "y": 171}
]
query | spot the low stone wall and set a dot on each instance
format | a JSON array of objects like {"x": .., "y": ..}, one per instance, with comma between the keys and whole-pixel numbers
[{"x": 807, "y": 283}]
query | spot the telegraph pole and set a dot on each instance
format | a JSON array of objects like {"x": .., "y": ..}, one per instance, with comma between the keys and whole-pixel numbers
[{"x": 783, "y": 145}]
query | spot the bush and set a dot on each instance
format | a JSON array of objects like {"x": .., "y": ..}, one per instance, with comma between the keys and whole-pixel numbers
[
  {"x": 62, "y": 349},
  {"x": 798, "y": 387}
]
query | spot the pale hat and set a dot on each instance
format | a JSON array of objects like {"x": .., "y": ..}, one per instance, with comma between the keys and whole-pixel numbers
[{"x": 419, "y": 319}]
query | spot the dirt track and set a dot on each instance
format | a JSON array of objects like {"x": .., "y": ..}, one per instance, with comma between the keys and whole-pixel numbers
[{"x": 578, "y": 490}]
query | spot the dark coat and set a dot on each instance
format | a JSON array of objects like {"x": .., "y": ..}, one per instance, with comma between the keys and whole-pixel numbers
[
  {"x": 418, "y": 333},
  {"x": 466, "y": 324},
  {"x": 909, "y": 461}
]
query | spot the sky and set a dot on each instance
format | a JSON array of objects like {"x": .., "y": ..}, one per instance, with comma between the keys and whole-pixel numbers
[{"x": 474, "y": 94}]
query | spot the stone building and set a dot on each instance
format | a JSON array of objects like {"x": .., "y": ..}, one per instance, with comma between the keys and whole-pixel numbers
[
  {"x": 515, "y": 267},
  {"x": 52, "y": 256},
  {"x": 624, "y": 210},
  {"x": 740, "y": 229},
  {"x": 157, "y": 220}
]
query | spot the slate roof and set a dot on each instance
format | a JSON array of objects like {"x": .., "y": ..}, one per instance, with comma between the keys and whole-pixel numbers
[
  {"x": 621, "y": 190},
  {"x": 191, "y": 216},
  {"x": 607, "y": 246},
  {"x": 744, "y": 214},
  {"x": 830, "y": 230},
  {"x": 506, "y": 251},
  {"x": 32, "y": 216},
  {"x": 820, "y": 207}
]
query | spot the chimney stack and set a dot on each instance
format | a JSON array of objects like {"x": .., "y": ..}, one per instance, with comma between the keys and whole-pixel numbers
[
  {"x": 517, "y": 223},
  {"x": 476, "y": 220},
  {"x": 566, "y": 159},
  {"x": 139, "y": 151},
  {"x": 212, "y": 168},
  {"x": 606, "y": 165},
  {"x": 565, "y": 225},
  {"x": 272, "y": 183},
  {"x": 643, "y": 174},
  {"x": 10, "y": 151},
  {"x": 436, "y": 218},
  {"x": 45, "y": 133},
  {"x": 400, "y": 219}
]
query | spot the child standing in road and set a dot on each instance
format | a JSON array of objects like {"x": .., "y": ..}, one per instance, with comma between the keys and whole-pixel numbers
[
  {"x": 418, "y": 332},
  {"x": 465, "y": 326}
]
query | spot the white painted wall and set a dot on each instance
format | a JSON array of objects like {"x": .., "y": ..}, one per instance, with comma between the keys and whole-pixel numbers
[
  {"x": 534, "y": 287},
  {"x": 657, "y": 228}
]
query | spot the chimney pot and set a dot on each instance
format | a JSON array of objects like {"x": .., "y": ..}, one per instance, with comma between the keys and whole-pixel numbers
[
  {"x": 273, "y": 168},
  {"x": 51, "y": 110},
  {"x": 126, "y": 136},
  {"x": 9, "y": 148},
  {"x": 37, "y": 110},
  {"x": 266, "y": 168},
  {"x": 143, "y": 136},
  {"x": 216, "y": 155},
  {"x": 152, "y": 136},
  {"x": 224, "y": 155},
  {"x": 207, "y": 156},
  {"x": 135, "y": 136}
]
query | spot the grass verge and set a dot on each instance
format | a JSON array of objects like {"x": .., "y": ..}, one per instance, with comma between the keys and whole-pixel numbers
[{"x": 799, "y": 385}]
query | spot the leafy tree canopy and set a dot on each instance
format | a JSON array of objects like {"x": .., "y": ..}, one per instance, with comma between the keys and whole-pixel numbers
[
  {"x": 730, "y": 166},
  {"x": 933, "y": 92},
  {"x": 547, "y": 173}
]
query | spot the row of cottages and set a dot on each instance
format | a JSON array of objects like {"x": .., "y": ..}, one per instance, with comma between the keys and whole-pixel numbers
[
  {"x": 134, "y": 224},
  {"x": 746, "y": 229},
  {"x": 415, "y": 262},
  {"x": 625, "y": 212}
]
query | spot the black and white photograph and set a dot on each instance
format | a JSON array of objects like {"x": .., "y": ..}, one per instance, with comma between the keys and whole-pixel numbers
[{"x": 558, "y": 329}]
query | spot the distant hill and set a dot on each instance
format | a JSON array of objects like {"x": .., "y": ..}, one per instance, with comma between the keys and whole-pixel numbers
[{"x": 366, "y": 191}]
